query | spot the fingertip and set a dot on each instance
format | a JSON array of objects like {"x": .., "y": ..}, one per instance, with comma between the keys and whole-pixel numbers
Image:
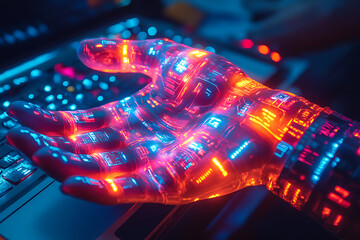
[
  {"x": 88, "y": 189},
  {"x": 19, "y": 137},
  {"x": 16, "y": 108},
  {"x": 100, "y": 54}
]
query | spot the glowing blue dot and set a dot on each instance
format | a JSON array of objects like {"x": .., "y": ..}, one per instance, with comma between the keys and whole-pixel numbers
[
  {"x": 47, "y": 88},
  {"x": 126, "y": 34},
  {"x": 315, "y": 178},
  {"x": 35, "y": 73},
  {"x": 79, "y": 97},
  {"x": 100, "y": 98},
  {"x": 7, "y": 87},
  {"x": 59, "y": 96},
  {"x": 72, "y": 107},
  {"x": 50, "y": 98},
  {"x": 187, "y": 41},
  {"x": 152, "y": 31},
  {"x": 95, "y": 77},
  {"x": 177, "y": 38},
  {"x": 65, "y": 83},
  {"x": 210, "y": 49},
  {"x": 32, "y": 31},
  {"x": 142, "y": 36},
  {"x": 132, "y": 22},
  {"x": 31, "y": 96},
  {"x": 117, "y": 28},
  {"x": 112, "y": 78},
  {"x": 51, "y": 106},
  {"x": 87, "y": 83},
  {"x": 65, "y": 101},
  {"x": 104, "y": 86},
  {"x": 6, "y": 104}
]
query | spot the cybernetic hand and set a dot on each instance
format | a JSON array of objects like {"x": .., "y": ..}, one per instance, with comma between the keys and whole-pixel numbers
[{"x": 202, "y": 128}]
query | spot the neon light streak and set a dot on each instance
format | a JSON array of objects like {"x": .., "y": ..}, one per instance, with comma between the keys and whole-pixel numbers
[
  {"x": 221, "y": 168},
  {"x": 113, "y": 186},
  {"x": 337, "y": 220},
  {"x": 286, "y": 189},
  {"x": 337, "y": 199},
  {"x": 344, "y": 193},
  {"x": 239, "y": 150},
  {"x": 204, "y": 176}
]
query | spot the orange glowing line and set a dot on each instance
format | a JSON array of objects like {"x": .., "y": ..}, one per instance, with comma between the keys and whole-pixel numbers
[
  {"x": 214, "y": 196},
  {"x": 286, "y": 189},
  {"x": 99, "y": 45},
  {"x": 337, "y": 199},
  {"x": 296, "y": 196},
  {"x": 343, "y": 192},
  {"x": 337, "y": 220},
  {"x": 221, "y": 168},
  {"x": 113, "y": 186},
  {"x": 187, "y": 141},
  {"x": 204, "y": 176},
  {"x": 125, "y": 47}
]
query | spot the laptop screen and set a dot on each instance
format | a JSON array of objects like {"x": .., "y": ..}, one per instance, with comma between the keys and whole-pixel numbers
[{"x": 28, "y": 26}]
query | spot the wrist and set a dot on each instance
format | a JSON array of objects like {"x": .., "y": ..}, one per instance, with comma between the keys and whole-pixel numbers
[{"x": 321, "y": 175}]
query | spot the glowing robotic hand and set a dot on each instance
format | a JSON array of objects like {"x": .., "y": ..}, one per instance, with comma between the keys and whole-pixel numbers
[{"x": 201, "y": 129}]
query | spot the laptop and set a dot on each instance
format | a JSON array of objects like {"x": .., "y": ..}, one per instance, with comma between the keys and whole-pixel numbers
[{"x": 38, "y": 64}]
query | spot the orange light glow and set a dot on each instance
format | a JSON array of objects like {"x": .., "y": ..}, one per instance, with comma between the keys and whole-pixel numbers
[
  {"x": 263, "y": 49},
  {"x": 198, "y": 53},
  {"x": 204, "y": 176},
  {"x": 275, "y": 57},
  {"x": 337, "y": 220},
  {"x": 343, "y": 192},
  {"x": 286, "y": 189},
  {"x": 125, "y": 53},
  {"x": 221, "y": 168},
  {"x": 326, "y": 212},
  {"x": 113, "y": 186},
  {"x": 337, "y": 199},
  {"x": 99, "y": 45},
  {"x": 296, "y": 196},
  {"x": 214, "y": 196}
]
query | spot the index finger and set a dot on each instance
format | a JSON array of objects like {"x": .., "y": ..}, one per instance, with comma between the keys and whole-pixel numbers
[{"x": 143, "y": 56}]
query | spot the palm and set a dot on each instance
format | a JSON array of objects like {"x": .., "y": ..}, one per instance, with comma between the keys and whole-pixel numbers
[{"x": 166, "y": 143}]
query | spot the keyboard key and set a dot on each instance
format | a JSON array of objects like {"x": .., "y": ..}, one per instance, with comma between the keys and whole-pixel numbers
[
  {"x": 3, "y": 132},
  {"x": 4, "y": 149},
  {"x": 10, "y": 123},
  {"x": 4, "y": 187},
  {"x": 9, "y": 159},
  {"x": 19, "y": 173}
]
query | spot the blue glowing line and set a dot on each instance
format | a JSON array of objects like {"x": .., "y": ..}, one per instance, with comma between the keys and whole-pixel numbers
[
  {"x": 27, "y": 65},
  {"x": 239, "y": 150},
  {"x": 325, "y": 161}
]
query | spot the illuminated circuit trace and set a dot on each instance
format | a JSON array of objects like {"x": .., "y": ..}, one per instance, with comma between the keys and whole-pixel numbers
[{"x": 201, "y": 129}]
